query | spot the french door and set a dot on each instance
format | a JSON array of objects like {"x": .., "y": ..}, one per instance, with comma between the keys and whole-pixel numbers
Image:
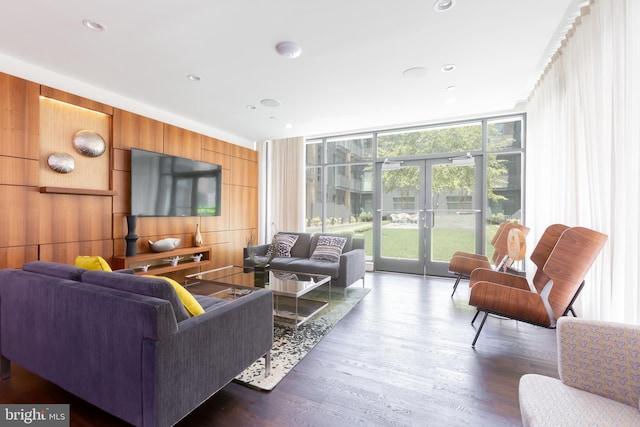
[{"x": 425, "y": 211}]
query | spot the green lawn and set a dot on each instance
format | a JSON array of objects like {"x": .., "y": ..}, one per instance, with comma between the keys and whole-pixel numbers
[{"x": 403, "y": 242}]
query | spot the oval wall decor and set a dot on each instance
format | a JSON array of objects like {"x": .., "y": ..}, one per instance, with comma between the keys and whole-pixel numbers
[
  {"x": 61, "y": 162},
  {"x": 89, "y": 143}
]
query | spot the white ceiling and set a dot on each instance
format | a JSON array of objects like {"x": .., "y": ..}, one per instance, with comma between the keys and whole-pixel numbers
[{"x": 348, "y": 78}]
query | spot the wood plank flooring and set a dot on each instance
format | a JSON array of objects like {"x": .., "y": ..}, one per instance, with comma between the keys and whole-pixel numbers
[{"x": 402, "y": 357}]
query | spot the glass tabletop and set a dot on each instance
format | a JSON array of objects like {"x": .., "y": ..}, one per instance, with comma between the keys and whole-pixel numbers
[{"x": 280, "y": 282}]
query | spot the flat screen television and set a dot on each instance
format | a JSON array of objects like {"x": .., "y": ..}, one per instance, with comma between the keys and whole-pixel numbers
[{"x": 164, "y": 185}]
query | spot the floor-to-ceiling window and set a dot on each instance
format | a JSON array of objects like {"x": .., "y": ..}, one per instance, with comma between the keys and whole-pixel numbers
[
  {"x": 339, "y": 195},
  {"x": 418, "y": 194}
]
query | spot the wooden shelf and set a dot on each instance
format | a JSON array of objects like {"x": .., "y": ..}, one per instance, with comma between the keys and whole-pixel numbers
[
  {"x": 157, "y": 265},
  {"x": 80, "y": 191}
]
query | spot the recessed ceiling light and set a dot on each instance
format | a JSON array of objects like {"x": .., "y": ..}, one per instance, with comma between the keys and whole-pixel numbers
[
  {"x": 93, "y": 25},
  {"x": 270, "y": 102},
  {"x": 443, "y": 5},
  {"x": 288, "y": 49},
  {"x": 415, "y": 73},
  {"x": 451, "y": 88},
  {"x": 194, "y": 78},
  {"x": 448, "y": 68},
  {"x": 288, "y": 126},
  {"x": 250, "y": 107}
]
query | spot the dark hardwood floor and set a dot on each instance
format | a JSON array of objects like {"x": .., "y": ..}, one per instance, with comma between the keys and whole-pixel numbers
[{"x": 402, "y": 357}]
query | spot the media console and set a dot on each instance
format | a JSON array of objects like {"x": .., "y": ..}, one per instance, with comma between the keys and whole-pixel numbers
[{"x": 157, "y": 261}]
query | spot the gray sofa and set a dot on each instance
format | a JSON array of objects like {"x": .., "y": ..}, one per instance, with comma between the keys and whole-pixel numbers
[
  {"x": 102, "y": 337},
  {"x": 349, "y": 268}
]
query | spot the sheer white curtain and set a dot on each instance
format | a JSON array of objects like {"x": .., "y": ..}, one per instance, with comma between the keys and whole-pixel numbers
[
  {"x": 583, "y": 155},
  {"x": 281, "y": 189}
]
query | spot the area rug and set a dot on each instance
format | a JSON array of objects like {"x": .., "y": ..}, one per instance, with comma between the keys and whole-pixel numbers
[{"x": 289, "y": 346}]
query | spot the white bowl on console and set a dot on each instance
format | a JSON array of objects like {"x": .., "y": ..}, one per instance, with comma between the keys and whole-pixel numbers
[{"x": 164, "y": 244}]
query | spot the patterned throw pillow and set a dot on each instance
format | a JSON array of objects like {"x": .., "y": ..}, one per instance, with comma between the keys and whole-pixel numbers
[
  {"x": 329, "y": 248},
  {"x": 285, "y": 243}
]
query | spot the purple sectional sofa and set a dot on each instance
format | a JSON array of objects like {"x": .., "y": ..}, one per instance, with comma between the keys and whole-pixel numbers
[{"x": 105, "y": 338}]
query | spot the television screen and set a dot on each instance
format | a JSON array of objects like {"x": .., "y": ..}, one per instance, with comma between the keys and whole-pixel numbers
[{"x": 164, "y": 185}]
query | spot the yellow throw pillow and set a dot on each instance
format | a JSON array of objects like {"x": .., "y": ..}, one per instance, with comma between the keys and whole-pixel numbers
[
  {"x": 92, "y": 263},
  {"x": 192, "y": 305}
]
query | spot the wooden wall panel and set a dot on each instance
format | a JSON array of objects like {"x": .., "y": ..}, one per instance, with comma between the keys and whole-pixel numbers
[
  {"x": 121, "y": 160},
  {"x": 79, "y": 101},
  {"x": 219, "y": 159},
  {"x": 17, "y": 256},
  {"x": 19, "y": 117},
  {"x": 73, "y": 218},
  {"x": 66, "y": 253},
  {"x": 243, "y": 153},
  {"x": 237, "y": 242},
  {"x": 167, "y": 226},
  {"x": 243, "y": 200},
  {"x": 19, "y": 213},
  {"x": 59, "y": 122},
  {"x": 215, "y": 145},
  {"x": 131, "y": 130},
  {"x": 17, "y": 171},
  {"x": 222, "y": 256},
  {"x": 122, "y": 200},
  {"x": 181, "y": 142},
  {"x": 243, "y": 172},
  {"x": 215, "y": 238}
]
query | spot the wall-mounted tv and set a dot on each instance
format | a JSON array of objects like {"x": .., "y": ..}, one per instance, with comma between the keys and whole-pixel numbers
[{"x": 164, "y": 185}]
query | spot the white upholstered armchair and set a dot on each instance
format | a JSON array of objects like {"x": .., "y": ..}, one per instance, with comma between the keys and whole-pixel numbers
[{"x": 599, "y": 367}]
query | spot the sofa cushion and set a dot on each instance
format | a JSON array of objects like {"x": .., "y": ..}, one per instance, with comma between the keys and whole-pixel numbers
[
  {"x": 92, "y": 263},
  {"x": 314, "y": 242},
  {"x": 142, "y": 285},
  {"x": 328, "y": 248},
  {"x": 192, "y": 306},
  {"x": 283, "y": 263},
  {"x": 308, "y": 266},
  {"x": 546, "y": 401},
  {"x": 285, "y": 243},
  {"x": 61, "y": 271}
]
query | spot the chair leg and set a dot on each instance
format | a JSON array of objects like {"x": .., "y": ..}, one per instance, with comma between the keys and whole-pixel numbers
[
  {"x": 473, "y": 344},
  {"x": 570, "y": 309},
  {"x": 267, "y": 364},
  {"x": 455, "y": 285},
  {"x": 475, "y": 317}
]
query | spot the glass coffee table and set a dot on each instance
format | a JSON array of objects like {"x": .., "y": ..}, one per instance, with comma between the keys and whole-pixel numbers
[{"x": 289, "y": 288}]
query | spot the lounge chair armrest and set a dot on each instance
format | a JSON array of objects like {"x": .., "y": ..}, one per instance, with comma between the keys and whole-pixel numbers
[
  {"x": 465, "y": 265},
  {"x": 470, "y": 255},
  {"x": 500, "y": 278}
]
